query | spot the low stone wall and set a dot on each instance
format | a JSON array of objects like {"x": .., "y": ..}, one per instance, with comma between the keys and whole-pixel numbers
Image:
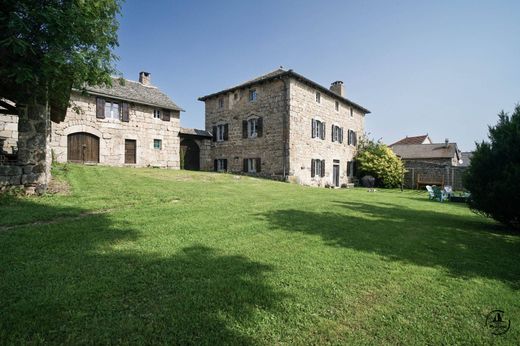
[
  {"x": 8, "y": 133},
  {"x": 428, "y": 171}
]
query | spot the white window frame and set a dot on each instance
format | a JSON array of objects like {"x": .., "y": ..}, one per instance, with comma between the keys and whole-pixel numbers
[
  {"x": 252, "y": 95},
  {"x": 157, "y": 113},
  {"x": 318, "y": 97},
  {"x": 252, "y": 128},
  {"x": 220, "y": 132},
  {"x": 319, "y": 129},
  {"x": 251, "y": 165},
  {"x": 109, "y": 105},
  {"x": 158, "y": 140},
  {"x": 317, "y": 168}
]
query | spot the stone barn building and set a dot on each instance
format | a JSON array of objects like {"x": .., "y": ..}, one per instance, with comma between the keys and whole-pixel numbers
[
  {"x": 194, "y": 149},
  {"x": 128, "y": 124},
  {"x": 284, "y": 126}
]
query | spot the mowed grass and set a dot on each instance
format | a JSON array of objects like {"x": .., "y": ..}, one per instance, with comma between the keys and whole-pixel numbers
[{"x": 148, "y": 256}]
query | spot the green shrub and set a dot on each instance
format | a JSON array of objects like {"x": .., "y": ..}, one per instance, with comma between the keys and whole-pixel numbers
[
  {"x": 493, "y": 177},
  {"x": 379, "y": 161}
]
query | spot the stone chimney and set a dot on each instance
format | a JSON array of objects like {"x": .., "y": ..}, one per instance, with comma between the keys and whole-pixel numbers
[
  {"x": 145, "y": 78},
  {"x": 338, "y": 88},
  {"x": 446, "y": 142}
]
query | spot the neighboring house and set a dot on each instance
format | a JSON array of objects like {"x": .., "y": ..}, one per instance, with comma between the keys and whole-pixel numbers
[
  {"x": 466, "y": 156},
  {"x": 131, "y": 123},
  {"x": 424, "y": 139},
  {"x": 284, "y": 126},
  {"x": 440, "y": 153}
]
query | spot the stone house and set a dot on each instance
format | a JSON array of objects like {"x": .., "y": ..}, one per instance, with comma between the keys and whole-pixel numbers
[
  {"x": 128, "y": 124},
  {"x": 284, "y": 126}
]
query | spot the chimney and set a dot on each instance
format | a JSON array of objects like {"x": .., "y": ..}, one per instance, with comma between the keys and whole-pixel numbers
[
  {"x": 446, "y": 142},
  {"x": 338, "y": 88},
  {"x": 145, "y": 79}
]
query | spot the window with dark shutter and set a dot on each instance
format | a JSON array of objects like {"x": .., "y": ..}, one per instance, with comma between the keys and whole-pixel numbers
[
  {"x": 226, "y": 132},
  {"x": 322, "y": 131},
  {"x": 341, "y": 135},
  {"x": 313, "y": 128},
  {"x": 259, "y": 127},
  {"x": 355, "y": 138},
  {"x": 214, "y": 133},
  {"x": 125, "y": 115},
  {"x": 215, "y": 165},
  {"x": 244, "y": 128},
  {"x": 245, "y": 167},
  {"x": 333, "y": 133},
  {"x": 100, "y": 108},
  {"x": 349, "y": 137},
  {"x": 166, "y": 115},
  {"x": 258, "y": 165},
  {"x": 225, "y": 165},
  {"x": 313, "y": 168},
  {"x": 322, "y": 168}
]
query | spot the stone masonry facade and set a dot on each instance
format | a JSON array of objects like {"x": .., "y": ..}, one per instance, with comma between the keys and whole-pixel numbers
[
  {"x": 112, "y": 133},
  {"x": 287, "y": 103}
]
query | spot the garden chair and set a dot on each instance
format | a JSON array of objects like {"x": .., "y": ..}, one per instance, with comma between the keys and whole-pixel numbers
[
  {"x": 449, "y": 190},
  {"x": 439, "y": 194},
  {"x": 431, "y": 194}
]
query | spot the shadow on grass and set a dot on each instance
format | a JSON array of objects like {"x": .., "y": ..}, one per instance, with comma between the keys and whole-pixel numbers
[
  {"x": 461, "y": 245},
  {"x": 74, "y": 282}
]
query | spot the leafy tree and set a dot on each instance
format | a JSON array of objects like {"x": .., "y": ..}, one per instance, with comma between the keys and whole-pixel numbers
[
  {"x": 49, "y": 46},
  {"x": 378, "y": 160},
  {"x": 493, "y": 177}
]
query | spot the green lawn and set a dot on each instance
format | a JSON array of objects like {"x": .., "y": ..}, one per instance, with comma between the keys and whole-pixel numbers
[{"x": 160, "y": 256}]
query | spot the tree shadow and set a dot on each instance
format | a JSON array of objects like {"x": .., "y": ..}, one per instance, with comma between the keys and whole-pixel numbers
[
  {"x": 87, "y": 282},
  {"x": 463, "y": 246}
]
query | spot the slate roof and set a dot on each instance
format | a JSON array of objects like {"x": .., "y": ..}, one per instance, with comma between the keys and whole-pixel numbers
[
  {"x": 194, "y": 132},
  {"x": 411, "y": 140},
  {"x": 426, "y": 151},
  {"x": 136, "y": 92},
  {"x": 278, "y": 73}
]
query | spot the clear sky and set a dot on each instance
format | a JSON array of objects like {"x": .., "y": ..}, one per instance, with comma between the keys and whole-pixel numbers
[{"x": 445, "y": 68}]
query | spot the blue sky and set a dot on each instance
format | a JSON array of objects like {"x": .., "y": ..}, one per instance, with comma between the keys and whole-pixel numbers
[{"x": 440, "y": 67}]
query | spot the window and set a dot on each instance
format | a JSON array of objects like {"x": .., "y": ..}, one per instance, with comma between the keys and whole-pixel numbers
[
  {"x": 220, "y": 133},
  {"x": 318, "y": 129},
  {"x": 157, "y": 114},
  {"x": 220, "y": 103},
  {"x": 252, "y": 95},
  {"x": 337, "y": 134},
  {"x": 252, "y": 165},
  {"x": 318, "y": 97},
  {"x": 352, "y": 138},
  {"x": 336, "y": 106},
  {"x": 351, "y": 112},
  {"x": 251, "y": 128},
  {"x": 317, "y": 168},
  {"x": 111, "y": 110},
  {"x": 235, "y": 96},
  {"x": 157, "y": 144},
  {"x": 220, "y": 165}
]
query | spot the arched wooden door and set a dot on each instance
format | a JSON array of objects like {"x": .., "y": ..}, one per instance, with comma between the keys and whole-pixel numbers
[
  {"x": 190, "y": 155},
  {"x": 82, "y": 147}
]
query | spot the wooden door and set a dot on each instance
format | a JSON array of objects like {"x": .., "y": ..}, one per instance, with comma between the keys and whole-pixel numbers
[
  {"x": 82, "y": 147},
  {"x": 335, "y": 175},
  {"x": 130, "y": 150}
]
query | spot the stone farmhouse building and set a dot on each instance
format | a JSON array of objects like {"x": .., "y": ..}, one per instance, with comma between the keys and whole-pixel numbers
[
  {"x": 284, "y": 126},
  {"x": 131, "y": 123}
]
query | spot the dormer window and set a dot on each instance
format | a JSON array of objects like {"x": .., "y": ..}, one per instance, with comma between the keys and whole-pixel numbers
[
  {"x": 318, "y": 97},
  {"x": 157, "y": 114}
]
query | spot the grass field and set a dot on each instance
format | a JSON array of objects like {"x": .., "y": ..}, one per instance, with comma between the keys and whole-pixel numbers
[{"x": 159, "y": 256}]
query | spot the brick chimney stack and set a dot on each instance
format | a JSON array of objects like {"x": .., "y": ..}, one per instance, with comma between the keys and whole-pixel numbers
[
  {"x": 338, "y": 88},
  {"x": 145, "y": 78}
]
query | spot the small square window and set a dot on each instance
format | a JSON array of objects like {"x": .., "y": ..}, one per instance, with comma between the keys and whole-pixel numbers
[
  {"x": 318, "y": 97},
  {"x": 221, "y": 165},
  {"x": 221, "y": 103},
  {"x": 157, "y": 114},
  {"x": 252, "y": 95},
  {"x": 111, "y": 110},
  {"x": 337, "y": 106},
  {"x": 157, "y": 144}
]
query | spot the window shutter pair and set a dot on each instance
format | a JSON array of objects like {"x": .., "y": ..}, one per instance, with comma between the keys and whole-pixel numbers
[
  {"x": 244, "y": 129},
  {"x": 214, "y": 135},
  {"x": 352, "y": 138},
  {"x": 100, "y": 108}
]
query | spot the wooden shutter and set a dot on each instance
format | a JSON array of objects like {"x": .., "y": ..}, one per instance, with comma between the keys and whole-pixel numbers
[
  {"x": 341, "y": 134},
  {"x": 258, "y": 165},
  {"x": 349, "y": 137},
  {"x": 259, "y": 127},
  {"x": 332, "y": 133},
  {"x": 322, "y": 130},
  {"x": 313, "y": 128},
  {"x": 100, "y": 108},
  {"x": 355, "y": 138},
  {"x": 322, "y": 168},
  {"x": 215, "y": 165},
  {"x": 125, "y": 115},
  {"x": 349, "y": 168},
  {"x": 226, "y": 132},
  {"x": 244, "y": 128},
  {"x": 313, "y": 168},
  {"x": 225, "y": 165},
  {"x": 214, "y": 133},
  {"x": 245, "y": 165},
  {"x": 165, "y": 115}
]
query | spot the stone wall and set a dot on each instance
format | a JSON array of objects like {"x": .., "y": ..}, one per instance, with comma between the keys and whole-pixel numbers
[
  {"x": 270, "y": 105},
  {"x": 112, "y": 133},
  {"x": 303, "y": 148},
  {"x": 8, "y": 133},
  {"x": 430, "y": 171}
]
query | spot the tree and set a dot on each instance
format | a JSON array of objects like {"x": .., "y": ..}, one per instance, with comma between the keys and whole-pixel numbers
[
  {"x": 48, "y": 47},
  {"x": 378, "y": 160},
  {"x": 493, "y": 177}
]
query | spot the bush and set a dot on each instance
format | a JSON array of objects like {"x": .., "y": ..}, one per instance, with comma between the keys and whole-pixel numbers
[
  {"x": 379, "y": 161},
  {"x": 493, "y": 177}
]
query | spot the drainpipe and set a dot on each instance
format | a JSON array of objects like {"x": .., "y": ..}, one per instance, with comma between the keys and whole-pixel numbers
[{"x": 285, "y": 138}]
